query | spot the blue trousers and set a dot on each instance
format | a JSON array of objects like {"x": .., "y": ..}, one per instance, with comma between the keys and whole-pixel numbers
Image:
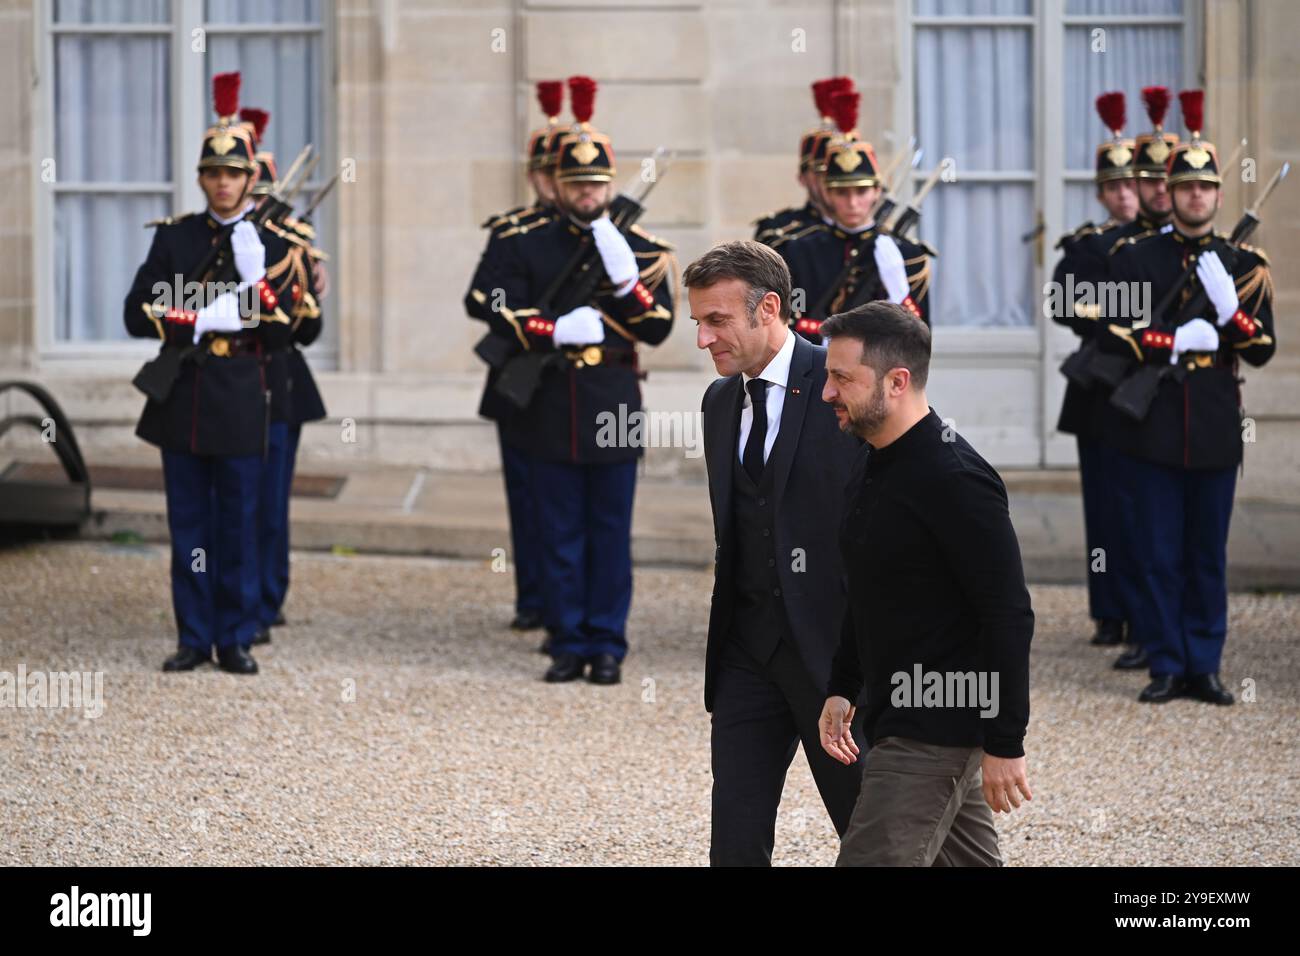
[
  {"x": 584, "y": 515},
  {"x": 1179, "y": 527},
  {"x": 273, "y": 519},
  {"x": 525, "y": 543},
  {"x": 1104, "y": 603},
  {"x": 212, "y": 516}
]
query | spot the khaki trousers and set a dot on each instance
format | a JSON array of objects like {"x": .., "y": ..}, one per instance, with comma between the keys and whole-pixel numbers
[{"x": 920, "y": 805}]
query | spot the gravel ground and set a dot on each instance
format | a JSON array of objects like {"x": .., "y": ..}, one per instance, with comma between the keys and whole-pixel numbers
[{"x": 397, "y": 721}]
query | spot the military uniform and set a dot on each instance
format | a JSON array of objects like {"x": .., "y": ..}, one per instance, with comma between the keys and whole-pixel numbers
[
  {"x": 1085, "y": 264},
  {"x": 573, "y": 429},
  {"x": 1176, "y": 465},
  {"x": 480, "y": 304},
  {"x": 210, "y": 418}
]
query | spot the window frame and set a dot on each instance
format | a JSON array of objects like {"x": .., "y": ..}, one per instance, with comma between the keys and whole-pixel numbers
[{"x": 191, "y": 115}]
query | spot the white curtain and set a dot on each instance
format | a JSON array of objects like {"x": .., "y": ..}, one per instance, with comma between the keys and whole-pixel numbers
[
  {"x": 974, "y": 102},
  {"x": 112, "y": 124}
]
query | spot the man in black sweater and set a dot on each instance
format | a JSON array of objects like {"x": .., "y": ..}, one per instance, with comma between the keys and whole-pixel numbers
[{"x": 938, "y": 623}]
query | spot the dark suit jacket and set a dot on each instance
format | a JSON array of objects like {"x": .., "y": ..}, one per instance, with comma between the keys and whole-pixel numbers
[{"x": 812, "y": 458}]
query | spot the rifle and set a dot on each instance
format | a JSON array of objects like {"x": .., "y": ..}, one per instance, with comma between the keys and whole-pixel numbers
[
  {"x": 520, "y": 375},
  {"x": 885, "y": 204},
  {"x": 1133, "y": 396},
  {"x": 157, "y": 376}
]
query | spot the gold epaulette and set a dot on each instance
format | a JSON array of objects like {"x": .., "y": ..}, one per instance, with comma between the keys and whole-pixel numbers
[
  {"x": 510, "y": 217},
  {"x": 928, "y": 249},
  {"x": 169, "y": 220},
  {"x": 1255, "y": 250},
  {"x": 1129, "y": 240},
  {"x": 798, "y": 234},
  {"x": 523, "y": 228},
  {"x": 766, "y": 216},
  {"x": 1087, "y": 229},
  {"x": 304, "y": 229},
  {"x": 661, "y": 243}
]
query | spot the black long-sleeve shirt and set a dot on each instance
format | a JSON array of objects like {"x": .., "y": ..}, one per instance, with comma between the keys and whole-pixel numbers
[{"x": 935, "y": 586}]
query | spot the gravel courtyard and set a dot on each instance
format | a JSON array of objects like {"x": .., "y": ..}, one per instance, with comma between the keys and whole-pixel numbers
[{"x": 397, "y": 721}]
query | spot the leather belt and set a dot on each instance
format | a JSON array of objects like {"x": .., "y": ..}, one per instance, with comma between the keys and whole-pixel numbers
[
  {"x": 239, "y": 343},
  {"x": 599, "y": 355}
]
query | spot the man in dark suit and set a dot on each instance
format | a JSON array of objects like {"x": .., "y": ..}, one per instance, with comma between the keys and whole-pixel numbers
[{"x": 777, "y": 464}]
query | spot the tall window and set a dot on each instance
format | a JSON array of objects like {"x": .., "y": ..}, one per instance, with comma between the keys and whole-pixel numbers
[
  {"x": 973, "y": 87},
  {"x": 128, "y": 99},
  {"x": 1113, "y": 45}
]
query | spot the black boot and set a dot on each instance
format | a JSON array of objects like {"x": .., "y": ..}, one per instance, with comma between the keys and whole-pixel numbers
[
  {"x": 1161, "y": 690},
  {"x": 1134, "y": 658},
  {"x": 262, "y": 637},
  {"x": 565, "y": 668},
  {"x": 604, "y": 670},
  {"x": 1109, "y": 633},
  {"x": 545, "y": 646},
  {"x": 236, "y": 660},
  {"x": 1206, "y": 687},
  {"x": 279, "y": 619},
  {"x": 527, "y": 621},
  {"x": 186, "y": 659}
]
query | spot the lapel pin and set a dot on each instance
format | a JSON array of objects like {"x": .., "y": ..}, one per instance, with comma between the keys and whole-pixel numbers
[{"x": 794, "y": 391}]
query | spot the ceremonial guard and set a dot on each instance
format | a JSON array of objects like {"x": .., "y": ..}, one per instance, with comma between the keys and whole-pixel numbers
[
  {"x": 775, "y": 224},
  {"x": 1077, "y": 279},
  {"x": 580, "y": 292},
  {"x": 1151, "y": 153},
  {"x": 208, "y": 393},
  {"x": 852, "y": 259},
  {"x": 295, "y": 398},
  {"x": 498, "y": 347},
  {"x": 1176, "y": 421}
]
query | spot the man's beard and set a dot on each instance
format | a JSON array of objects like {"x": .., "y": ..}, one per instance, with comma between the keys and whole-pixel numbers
[
  {"x": 591, "y": 216},
  {"x": 871, "y": 417},
  {"x": 1152, "y": 214}
]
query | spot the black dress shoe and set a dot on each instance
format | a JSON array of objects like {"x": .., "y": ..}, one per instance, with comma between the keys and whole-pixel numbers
[
  {"x": 545, "y": 646},
  {"x": 186, "y": 659},
  {"x": 1133, "y": 659},
  {"x": 279, "y": 619},
  {"x": 1161, "y": 690},
  {"x": 1207, "y": 687},
  {"x": 604, "y": 670},
  {"x": 527, "y": 621},
  {"x": 566, "y": 667},
  {"x": 1109, "y": 633},
  {"x": 262, "y": 637},
  {"x": 236, "y": 660}
]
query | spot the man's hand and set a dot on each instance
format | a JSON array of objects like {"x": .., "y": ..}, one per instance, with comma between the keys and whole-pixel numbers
[
  {"x": 615, "y": 255},
  {"x": 891, "y": 268},
  {"x": 250, "y": 254},
  {"x": 1220, "y": 288},
  {"x": 1195, "y": 335},
  {"x": 582, "y": 326},
  {"x": 837, "y": 738},
  {"x": 1004, "y": 782}
]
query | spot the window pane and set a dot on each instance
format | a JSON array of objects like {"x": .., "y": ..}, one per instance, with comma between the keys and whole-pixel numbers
[
  {"x": 262, "y": 11},
  {"x": 112, "y": 11},
  {"x": 974, "y": 96},
  {"x": 98, "y": 245},
  {"x": 282, "y": 76},
  {"x": 1134, "y": 57},
  {"x": 1124, "y": 7},
  {"x": 112, "y": 109},
  {"x": 984, "y": 273},
  {"x": 973, "y": 8}
]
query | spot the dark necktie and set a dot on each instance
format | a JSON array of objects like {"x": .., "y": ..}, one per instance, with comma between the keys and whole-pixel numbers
[{"x": 753, "y": 457}]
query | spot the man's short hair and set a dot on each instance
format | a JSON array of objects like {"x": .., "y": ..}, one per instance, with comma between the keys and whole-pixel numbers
[
  {"x": 753, "y": 263},
  {"x": 891, "y": 337}
]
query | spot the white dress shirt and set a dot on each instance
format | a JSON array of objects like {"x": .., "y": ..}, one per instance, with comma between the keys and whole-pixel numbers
[{"x": 776, "y": 374}]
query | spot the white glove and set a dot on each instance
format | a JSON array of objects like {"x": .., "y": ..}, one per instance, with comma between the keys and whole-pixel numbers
[
  {"x": 582, "y": 326},
  {"x": 890, "y": 268},
  {"x": 618, "y": 258},
  {"x": 220, "y": 315},
  {"x": 1219, "y": 286},
  {"x": 250, "y": 254},
  {"x": 1196, "y": 335}
]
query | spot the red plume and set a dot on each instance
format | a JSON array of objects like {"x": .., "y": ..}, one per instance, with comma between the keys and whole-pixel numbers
[
  {"x": 582, "y": 94},
  {"x": 550, "y": 95},
  {"x": 1193, "y": 104},
  {"x": 821, "y": 91},
  {"x": 844, "y": 108},
  {"x": 259, "y": 119},
  {"x": 1157, "y": 100},
  {"x": 1110, "y": 107},
  {"x": 225, "y": 93}
]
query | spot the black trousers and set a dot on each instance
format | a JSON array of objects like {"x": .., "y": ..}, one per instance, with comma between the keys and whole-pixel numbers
[{"x": 761, "y": 712}]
